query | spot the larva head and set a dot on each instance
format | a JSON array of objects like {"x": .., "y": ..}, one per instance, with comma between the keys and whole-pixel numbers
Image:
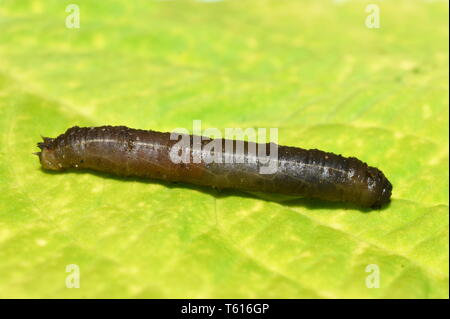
[
  {"x": 380, "y": 185},
  {"x": 47, "y": 156}
]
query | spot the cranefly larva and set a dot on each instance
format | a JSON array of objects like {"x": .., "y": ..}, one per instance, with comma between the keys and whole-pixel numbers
[{"x": 124, "y": 151}]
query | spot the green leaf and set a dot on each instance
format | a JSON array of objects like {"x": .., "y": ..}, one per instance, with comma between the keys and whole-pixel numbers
[{"x": 311, "y": 68}]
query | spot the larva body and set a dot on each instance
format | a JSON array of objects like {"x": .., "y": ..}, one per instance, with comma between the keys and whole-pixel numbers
[{"x": 129, "y": 152}]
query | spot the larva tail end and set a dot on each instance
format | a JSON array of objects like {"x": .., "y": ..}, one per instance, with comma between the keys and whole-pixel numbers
[
  {"x": 47, "y": 142},
  {"x": 47, "y": 155}
]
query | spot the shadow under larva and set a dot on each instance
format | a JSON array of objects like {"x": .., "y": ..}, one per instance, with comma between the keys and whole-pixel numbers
[{"x": 123, "y": 151}]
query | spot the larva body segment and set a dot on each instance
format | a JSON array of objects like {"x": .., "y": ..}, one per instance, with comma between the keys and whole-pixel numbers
[{"x": 129, "y": 152}]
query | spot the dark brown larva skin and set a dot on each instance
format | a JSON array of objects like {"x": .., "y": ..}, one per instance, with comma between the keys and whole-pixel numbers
[{"x": 128, "y": 152}]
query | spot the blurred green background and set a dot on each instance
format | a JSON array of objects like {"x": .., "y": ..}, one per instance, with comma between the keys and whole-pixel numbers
[{"x": 311, "y": 68}]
